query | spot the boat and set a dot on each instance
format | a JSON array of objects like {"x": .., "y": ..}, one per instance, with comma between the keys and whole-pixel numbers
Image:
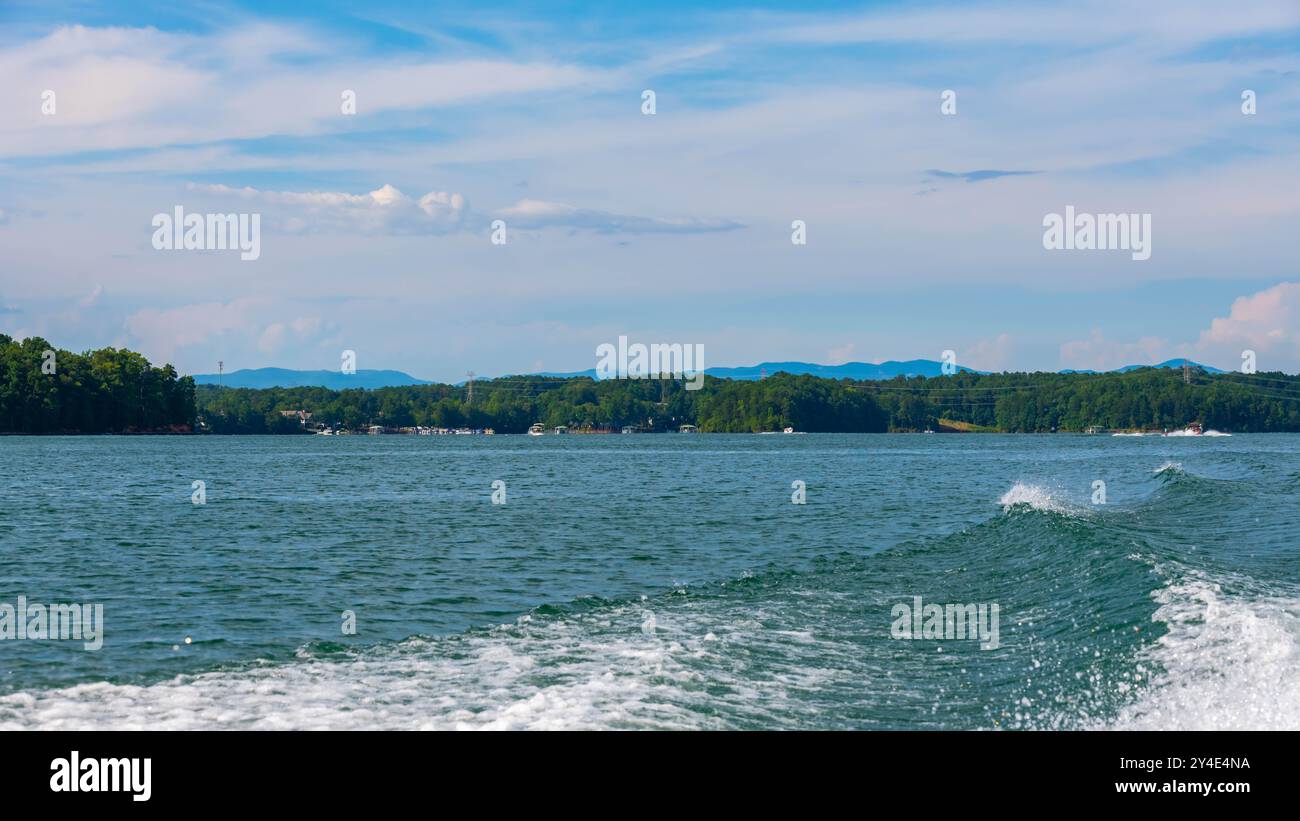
[
  {"x": 561, "y": 429},
  {"x": 788, "y": 430},
  {"x": 1195, "y": 429},
  {"x": 687, "y": 429},
  {"x": 536, "y": 430}
]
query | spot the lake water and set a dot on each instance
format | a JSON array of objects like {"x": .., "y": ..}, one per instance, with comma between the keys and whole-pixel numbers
[{"x": 654, "y": 581}]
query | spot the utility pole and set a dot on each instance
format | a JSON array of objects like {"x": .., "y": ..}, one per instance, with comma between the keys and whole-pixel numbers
[
  {"x": 221, "y": 371},
  {"x": 470, "y": 374}
]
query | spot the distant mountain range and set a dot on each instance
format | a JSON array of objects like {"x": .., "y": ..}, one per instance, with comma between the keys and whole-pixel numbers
[
  {"x": 286, "y": 378},
  {"x": 1168, "y": 363},
  {"x": 849, "y": 370},
  {"x": 335, "y": 380}
]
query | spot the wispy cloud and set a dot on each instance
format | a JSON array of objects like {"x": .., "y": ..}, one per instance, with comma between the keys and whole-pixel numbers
[
  {"x": 978, "y": 176},
  {"x": 385, "y": 209},
  {"x": 388, "y": 210},
  {"x": 542, "y": 214},
  {"x": 126, "y": 88},
  {"x": 759, "y": 123}
]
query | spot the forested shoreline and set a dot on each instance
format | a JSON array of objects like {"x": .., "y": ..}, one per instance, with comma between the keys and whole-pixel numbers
[
  {"x": 1143, "y": 399},
  {"x": 119, "y": 391},
  {"x": 111, "y": 390}
]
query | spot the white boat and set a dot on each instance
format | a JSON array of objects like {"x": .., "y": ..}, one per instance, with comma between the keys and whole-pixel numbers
[
  {"x": 788, "y": 430},
  {"x": 1195, "y": 429},
  {"x": 561, "y": 429},
  {"x": 536, "y": 430}
]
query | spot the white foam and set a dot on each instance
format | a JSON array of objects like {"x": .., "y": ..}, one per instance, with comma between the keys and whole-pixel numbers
[
  {"x": 1034, "y": 496},
  {"x": 1169, "y": 467},
  {"x": 488, "y": 684},
  {"x": 1228, "y": 662},
  {"x": 623, "y": 669}
]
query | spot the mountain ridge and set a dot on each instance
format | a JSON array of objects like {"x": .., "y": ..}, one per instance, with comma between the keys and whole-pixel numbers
[{"x": 865, "y": 371}]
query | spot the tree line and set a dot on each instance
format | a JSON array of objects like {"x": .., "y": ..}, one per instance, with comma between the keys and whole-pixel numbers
[
  {"x": 44, "y": 390},
  {"x": 118, "y": 391},
  {"x": 1143, "y": 399}
]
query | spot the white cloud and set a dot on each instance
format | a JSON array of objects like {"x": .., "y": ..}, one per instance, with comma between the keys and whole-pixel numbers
[
  {"x": 279, "y": 334},
  {"x": 1266, "y": 322},
  {"x": 384, "y": 209},
  {"x": 989, "y": 354},
  {"x": 387, "y": 209},
  {"x": 542, "y": 214},
  {"x": 160, "y": 334},
  {"x": 141, "y": 87},
  {"x": 1101, "y": 354}
]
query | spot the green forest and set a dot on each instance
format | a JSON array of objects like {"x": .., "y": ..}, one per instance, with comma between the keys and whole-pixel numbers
[
  {"x": 119, "y": 391},
  {"x": 43, "y": 390},
  {"x": 1143, "y": 399}
]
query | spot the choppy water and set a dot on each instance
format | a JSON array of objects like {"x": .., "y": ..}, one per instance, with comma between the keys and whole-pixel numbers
[{"x": 654, "y": 581}]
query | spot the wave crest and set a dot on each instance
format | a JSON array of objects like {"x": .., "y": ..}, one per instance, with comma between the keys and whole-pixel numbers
[{"x": 1036, "y": 497}]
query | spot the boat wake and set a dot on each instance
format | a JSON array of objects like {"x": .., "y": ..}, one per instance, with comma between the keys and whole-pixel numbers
[
  {"x": 1225, "y": 662},
  {"x": 1105, "y": 624}
]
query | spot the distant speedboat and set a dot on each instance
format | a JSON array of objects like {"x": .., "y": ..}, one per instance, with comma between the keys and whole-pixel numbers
[
  {"x": 537, "y": 430},
  {"x": 788, "y": 430},
  {"x": 561, "y": 429},
  {"x": 1194, "y": 429}
]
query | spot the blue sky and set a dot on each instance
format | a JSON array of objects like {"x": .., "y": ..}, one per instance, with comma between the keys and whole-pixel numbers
[{"x": 924, "y": 229}]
